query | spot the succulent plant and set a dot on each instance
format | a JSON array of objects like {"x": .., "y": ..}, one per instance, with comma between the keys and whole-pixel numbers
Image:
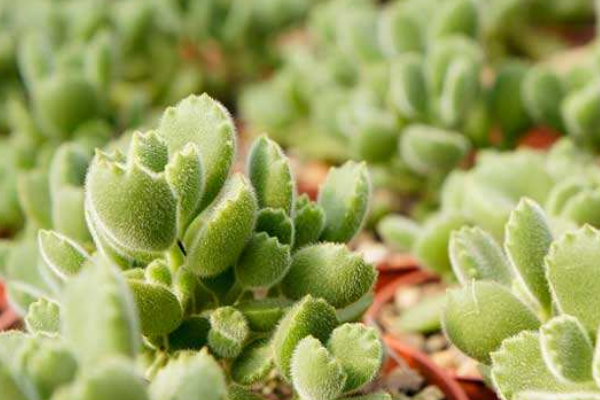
[
  {"x": 187, "y": 256},
  {"x": 485, "y": 195},
  {"x": 526, "y": 311}
]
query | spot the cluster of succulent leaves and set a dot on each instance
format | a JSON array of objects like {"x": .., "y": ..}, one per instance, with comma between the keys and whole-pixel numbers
[
  {"x": 186, "y": 256},
  {"x": 564, "y": 179},
  {"x": 527, "y": 310},
  {"x": 412, "y": 86},
  {"x": 85, "y": 70}
]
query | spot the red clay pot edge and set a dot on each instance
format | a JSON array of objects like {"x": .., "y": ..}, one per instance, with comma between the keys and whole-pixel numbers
[
  {"x": 8, "y": 318},
  {"x": 475, "y": 387}
]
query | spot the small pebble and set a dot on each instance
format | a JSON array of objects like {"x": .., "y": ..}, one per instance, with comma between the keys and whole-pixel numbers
[{"x": 430, "y": 393}]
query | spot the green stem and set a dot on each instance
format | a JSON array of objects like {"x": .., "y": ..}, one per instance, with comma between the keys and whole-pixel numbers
[{"x": 175, "y": 257}]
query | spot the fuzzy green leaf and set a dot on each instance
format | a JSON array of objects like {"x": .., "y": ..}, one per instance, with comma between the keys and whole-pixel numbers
[
  {"x": 271, "y": 176},
  {"x": 114, "y": 330},
  {"x": 359, "y": 351},
  {"x": 479, "y": 316},
  {"x": 574, "y": 275},
  {"x": 189, "y": 376},
  {"x": 63, "y": 255},
  {"x": 344, "y": 197},
  {"x": 330, "y": 271},
  {"x": 398, "y": 232},
  {"x": 131, "y": 206},
  {"x": 567, "y": 349},
  {"x": 205, "y": 122},
  {"x": 158, "y": 308},
  {"x": 276, "y": 223},
  {"x": 542, "y": 94},
  {"x": 263, "y": 263},
  {"x": 316, "y": 373},
  {"x": 527, "y": 242},
  {"x": 475, "y": 254},
  {"x": 214, "y": 241},
  {"x": 43, "y": 316},
  {"x": 309, "y": 222},
  {"x": 408, "y": 89},
  {"x": 429, "y": 150},
  {"x": 309, "y": 317},
  {"x": 519, "y": 366},
  {"x": 254, "y": 364},
  {"x": 264, "y": 314},
  {"x": 228, "y": 332}
]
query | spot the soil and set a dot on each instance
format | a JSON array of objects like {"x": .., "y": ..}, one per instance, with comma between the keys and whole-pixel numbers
[
  {"x": 402, "y": 382},
  {"x": 434, "y": 343}
]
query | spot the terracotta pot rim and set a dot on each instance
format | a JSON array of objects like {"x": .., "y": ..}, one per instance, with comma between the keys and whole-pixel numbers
[{"x": 431, "y": 372}]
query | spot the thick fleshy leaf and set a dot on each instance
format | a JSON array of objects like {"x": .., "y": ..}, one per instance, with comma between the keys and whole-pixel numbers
[
  {"x": 309, "y": 317},
  {"x": 574, "y": 275},
  {"x": 424, "y": 316},
  {"x": 542, "y": 93},
  {"x": 309, "y": 222},
  {"x": 556, "y": 396},
  {"x": 158, "y": 308},
  {"x": 130, "y": 205},
  {"x": 43, "y": 316},
  {"x": 408, "y": 89},
  {"x": 519, "y": 366},
  {"x": 34, "y": 197},
  {"x": 431, "y": 247},
  {"x": 216, "y": 238},
  {"x": 228, "y": 332},
  {"x": 113, "y": 379},
  {"x": 527, "y": 241},
  {"x": 479, "y": 316},
  {"x": 185, "y": 174},
  {"x": 63, "y": 255},
  {"x": 475, "y": 255},
  {"x": 579, "y": 111},
  {"x": 264, "y": 314},
  {"x": 583, "y": 208},
  {"x": 567, "y": 349},
  {"x": 398, "y": 231},
  {"x": 263, "y": 263},
  {"x": 276, "y": 223},
  {"x": 344, "y": 197},
  {"x": 429, "y": 150},
  {"x": 458, "y": 17},
  {"x": 359, "y": 351},
  {"x": 114, "y": 329},
  {"x": 205, "y": 122},
  {"x": 316, "y": 373},
  {"x": 330, "y": 271},
  {"x": 461, "y": 86},
  {"x": 254, "y": 364},
  {"x": 270, "y": 174},
  {"x": 188, "y": 376}
]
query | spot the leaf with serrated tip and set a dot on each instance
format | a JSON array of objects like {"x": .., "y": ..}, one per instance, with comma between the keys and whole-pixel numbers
[
  {"x": 43, "y": 316},
  {"x": 263, "y": 263},
  {"x": 159, "y": 310},
  {"x": 567, "y": 349},
  {"x": 64, "y": 256},
  {"x": 316, "y": 373},
  {"x": 276, "y": 223},
  {"x": 359, "y": 350},
  {"x": 527, "y": 241},
  {"x": 309, "y": 316},
  {"x": 330, "y": 271},
  {"x": 254, "y": 364},
  {"x": 205, "y": 122},
  {"x": 574, "y": 275},
  {"x": 344, "y": 197},
  {"x": 474, "y": 254},
  {"x": 518, "y": 366},
  {"x": 228, "y": 332},
  {"x": 309, "y": 222},
  {"x": 215, "y": 241},
  {"x": 270, "y": 174}
]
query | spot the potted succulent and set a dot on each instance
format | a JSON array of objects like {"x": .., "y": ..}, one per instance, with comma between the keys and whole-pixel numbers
[
  {"x": 526, "y": 311},
  {"x": 186, "y": 256}
]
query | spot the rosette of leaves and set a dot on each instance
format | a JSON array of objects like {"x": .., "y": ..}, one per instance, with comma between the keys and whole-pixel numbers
[
  {"x": 526, "y": 310},
  {"x": 564, "y": 180},
  {"x": 237, "y": 263}
]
